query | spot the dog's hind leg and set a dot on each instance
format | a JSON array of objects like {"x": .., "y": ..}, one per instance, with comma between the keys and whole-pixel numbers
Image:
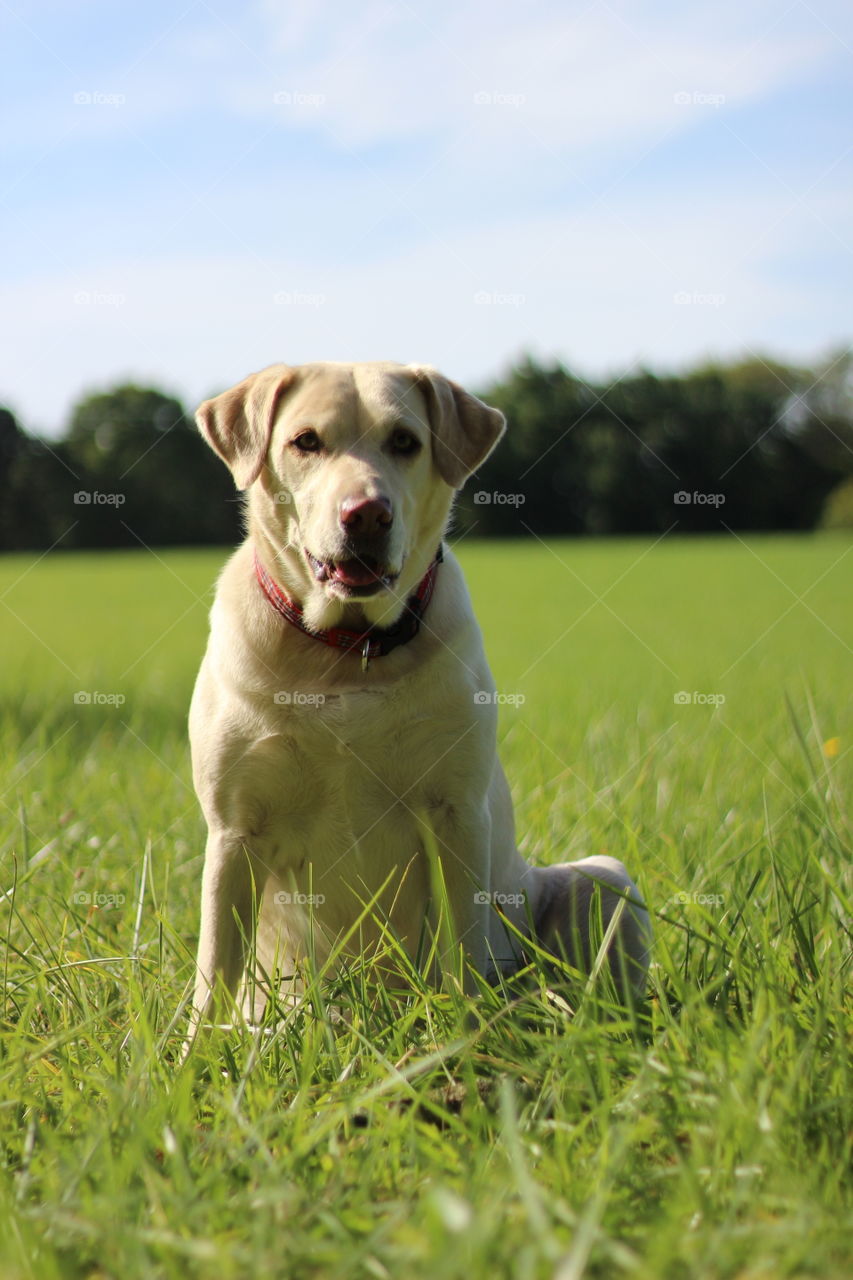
[{"x": 573, "y": 897}]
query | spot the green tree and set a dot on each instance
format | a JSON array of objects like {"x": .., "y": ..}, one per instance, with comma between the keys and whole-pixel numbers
[
  {"x": 611, "y": 458},
  {"x": 151, "y": 479},
  {"x": 37, "y": 483}
]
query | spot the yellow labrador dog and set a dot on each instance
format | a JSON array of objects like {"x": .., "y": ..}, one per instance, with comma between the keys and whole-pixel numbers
[{"x": 343, "y": 722}]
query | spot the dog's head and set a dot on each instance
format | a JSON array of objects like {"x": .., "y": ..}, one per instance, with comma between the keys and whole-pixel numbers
[{"x": 350, "y": 471}]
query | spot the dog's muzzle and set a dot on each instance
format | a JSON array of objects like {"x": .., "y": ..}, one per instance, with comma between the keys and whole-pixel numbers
[{"x": 353, "y": 573}]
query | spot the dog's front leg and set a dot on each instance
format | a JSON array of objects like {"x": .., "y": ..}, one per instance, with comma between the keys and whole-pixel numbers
[
  {"x": 460, "y": 910},
  {"x": 232, "y": 884}
]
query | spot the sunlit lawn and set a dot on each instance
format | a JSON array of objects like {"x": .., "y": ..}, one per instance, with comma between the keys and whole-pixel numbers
[{"x": 532, "y": 1133}]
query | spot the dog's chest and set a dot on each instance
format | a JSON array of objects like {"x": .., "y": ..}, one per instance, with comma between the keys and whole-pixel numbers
[
  {"x": 352, "y": 738},
  {"x": 361, "y": 772}
]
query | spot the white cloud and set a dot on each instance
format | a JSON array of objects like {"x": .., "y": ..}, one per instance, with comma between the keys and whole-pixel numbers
[
  {"x": 599, "y": 290},
  {"x": 418, "y": 197},
  {"x": 602, "y": 74}
]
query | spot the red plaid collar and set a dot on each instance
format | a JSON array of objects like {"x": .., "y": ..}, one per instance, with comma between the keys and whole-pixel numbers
[{"x": 373, "y": 643}]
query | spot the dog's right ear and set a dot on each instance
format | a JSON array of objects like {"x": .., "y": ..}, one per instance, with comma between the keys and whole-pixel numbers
[{"x": 238, "y": 423}]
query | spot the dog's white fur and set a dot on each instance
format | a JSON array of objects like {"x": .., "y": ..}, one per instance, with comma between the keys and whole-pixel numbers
[{"x": 324, "y": 782}]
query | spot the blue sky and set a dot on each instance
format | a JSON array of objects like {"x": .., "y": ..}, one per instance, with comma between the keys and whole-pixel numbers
[{"x": 192, "y": 191}]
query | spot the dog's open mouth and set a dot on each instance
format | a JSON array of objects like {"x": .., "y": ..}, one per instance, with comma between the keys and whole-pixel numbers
[{"x": 353, "y": 576}]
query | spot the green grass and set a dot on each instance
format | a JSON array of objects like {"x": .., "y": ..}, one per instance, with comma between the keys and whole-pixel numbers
[{"x": 533, "y": 1133}]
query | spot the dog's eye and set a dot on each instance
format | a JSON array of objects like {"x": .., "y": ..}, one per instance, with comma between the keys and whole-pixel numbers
[
  {"x": 307, "y": 442},
  {"x": 402, "y": 442}
]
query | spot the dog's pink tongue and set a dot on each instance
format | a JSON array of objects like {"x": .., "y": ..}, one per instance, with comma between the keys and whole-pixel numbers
[{"x": 353, "y": 573}]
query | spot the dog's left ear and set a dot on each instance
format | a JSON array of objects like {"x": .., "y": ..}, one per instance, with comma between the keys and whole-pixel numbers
[
  {"x": 464, "y": 430},
  {"x": 238, "y": 423}
]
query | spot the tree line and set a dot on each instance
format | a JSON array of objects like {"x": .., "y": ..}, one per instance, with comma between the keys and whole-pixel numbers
[{"x": 749, "y": 445}]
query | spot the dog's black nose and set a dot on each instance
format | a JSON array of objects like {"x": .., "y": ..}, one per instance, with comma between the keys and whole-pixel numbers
[{"x": 366, "y": 515}]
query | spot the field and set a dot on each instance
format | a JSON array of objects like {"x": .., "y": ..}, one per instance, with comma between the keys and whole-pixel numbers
[{"x": 535, "y": 1132}]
